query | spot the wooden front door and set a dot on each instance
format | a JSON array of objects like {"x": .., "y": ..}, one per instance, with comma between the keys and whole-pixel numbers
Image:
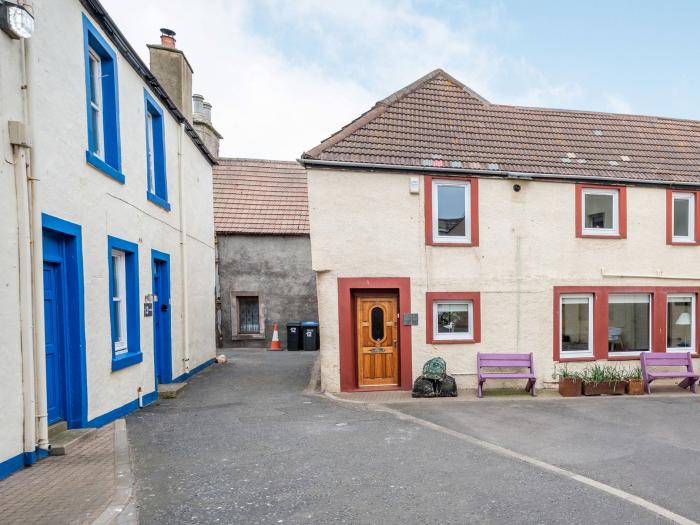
[{"x": 377, "y": 340}]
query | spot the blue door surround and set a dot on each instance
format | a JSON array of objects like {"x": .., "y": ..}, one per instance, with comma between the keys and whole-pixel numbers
[
  {"x": 162, "y": 347},
  {"x": 63, "y": 260}
]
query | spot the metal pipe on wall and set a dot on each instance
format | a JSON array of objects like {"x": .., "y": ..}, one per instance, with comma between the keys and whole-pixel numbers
[{"x": 183, "y": 251}]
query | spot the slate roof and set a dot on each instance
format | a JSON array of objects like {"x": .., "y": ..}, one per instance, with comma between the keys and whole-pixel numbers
[
  {"x": 437, "y": 122},
  {"x": 260, "y": 197}
]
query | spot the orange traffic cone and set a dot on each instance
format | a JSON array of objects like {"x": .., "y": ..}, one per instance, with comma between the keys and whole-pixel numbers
[{"x": 275, "y": 339}]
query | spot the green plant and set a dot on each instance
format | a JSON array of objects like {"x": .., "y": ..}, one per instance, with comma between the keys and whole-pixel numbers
[
  {"x": 564, "y": 372},
  {"x": 598, "y": 373},
  {"x": 635, "y": 373}
]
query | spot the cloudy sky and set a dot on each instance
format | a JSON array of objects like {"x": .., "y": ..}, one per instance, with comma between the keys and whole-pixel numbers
[{"x": 283, "y": 75}]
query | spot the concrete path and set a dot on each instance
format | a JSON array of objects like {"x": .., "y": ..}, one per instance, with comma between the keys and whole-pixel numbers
[
  {"x": 243, "y": 444},
  {"x": 71, "y": 489}
]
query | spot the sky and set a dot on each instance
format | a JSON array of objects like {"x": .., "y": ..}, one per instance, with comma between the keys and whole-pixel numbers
[{"x": 284, "y": 75}]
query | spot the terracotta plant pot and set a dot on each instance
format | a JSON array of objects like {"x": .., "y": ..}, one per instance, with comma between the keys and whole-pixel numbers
[
  {"x": 607, "y": 388},
  {"x": 570, "y": 386},
  {"x": 635, "y": 387}
]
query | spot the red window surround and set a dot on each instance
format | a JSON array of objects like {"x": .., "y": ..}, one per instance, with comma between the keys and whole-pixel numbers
[
  {"x": 473, "y": 205},
  {"x": 669, "y": 218},
  {"x": 431, "y": 297},
  {"x": 622, "y": 211},
  {"x": 600, "y": 294}
]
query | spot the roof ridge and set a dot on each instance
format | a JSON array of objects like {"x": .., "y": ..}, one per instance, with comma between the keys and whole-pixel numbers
[
  {"x": 380, "y": 107},
  {"x": 257, "y": 160}
]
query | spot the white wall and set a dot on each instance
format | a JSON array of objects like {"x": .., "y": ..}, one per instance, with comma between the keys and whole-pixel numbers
[
  {"x": 10, "y": 349},
  {"x": 75, "y": 191},
  {"x": 527, "y": 246}
]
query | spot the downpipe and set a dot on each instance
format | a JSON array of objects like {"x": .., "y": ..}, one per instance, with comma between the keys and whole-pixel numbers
[
  {"x": 183, "y": 252},
  {"x": 42, "y": 426}
]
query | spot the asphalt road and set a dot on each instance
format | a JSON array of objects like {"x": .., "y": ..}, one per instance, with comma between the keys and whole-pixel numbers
[{"x": 243, "y": 444}]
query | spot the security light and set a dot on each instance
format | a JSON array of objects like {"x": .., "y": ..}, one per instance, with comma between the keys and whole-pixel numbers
[{"x": 15, "y": 20}]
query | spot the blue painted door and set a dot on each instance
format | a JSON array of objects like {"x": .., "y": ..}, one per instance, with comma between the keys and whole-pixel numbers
[
  {"x": 55, "y": 341},
  {"x": 161, "y": 321}
]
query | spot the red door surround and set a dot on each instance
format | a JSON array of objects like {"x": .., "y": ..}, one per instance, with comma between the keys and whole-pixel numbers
[{"x": 347, "y": 287}]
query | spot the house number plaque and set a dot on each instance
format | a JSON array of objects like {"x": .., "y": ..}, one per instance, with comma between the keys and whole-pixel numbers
[{"x": 377, "y": 350}]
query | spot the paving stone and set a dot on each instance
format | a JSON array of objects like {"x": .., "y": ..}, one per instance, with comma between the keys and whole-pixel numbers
[{"x": 71, "y": 489}]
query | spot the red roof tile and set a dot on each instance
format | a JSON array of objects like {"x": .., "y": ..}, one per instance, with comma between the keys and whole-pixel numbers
[
  {"x": 437, "y": 122},
  {"x": 263, "y": 197}
]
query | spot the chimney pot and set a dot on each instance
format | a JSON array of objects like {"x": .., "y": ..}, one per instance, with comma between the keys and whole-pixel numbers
[
  {"x": 197, "y": 103},
  {"x": 167, "y": 37}
]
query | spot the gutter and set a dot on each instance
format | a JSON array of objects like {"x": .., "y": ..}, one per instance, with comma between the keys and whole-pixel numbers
[
  {"x": 98, "y": 12},
  {"x": 489, "y": 173}
]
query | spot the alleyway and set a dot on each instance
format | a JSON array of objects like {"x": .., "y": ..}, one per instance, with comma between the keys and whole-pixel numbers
[{"x": 243, "y": 444}]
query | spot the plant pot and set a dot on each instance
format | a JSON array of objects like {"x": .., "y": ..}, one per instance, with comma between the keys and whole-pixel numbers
[
  {"x": 606, "y": 388},
  {"x": 570, "y": 386},
  {"x": 635, "y": 387}
]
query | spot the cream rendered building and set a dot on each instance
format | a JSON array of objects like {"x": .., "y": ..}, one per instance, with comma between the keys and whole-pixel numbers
[
  {"x": 107, "y": 261},
  {"x": 570, "y": 235}
]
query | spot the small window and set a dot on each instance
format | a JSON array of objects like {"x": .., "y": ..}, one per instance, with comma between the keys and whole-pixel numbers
[
  {"x": 248, "y": 315},
  {"x": 629, "y": 323},
  {"x": 377, "y": 323},
  {"x": 124, "y": 302},
  {"x": 103, "y": 151},
  {"x": 157, "y": 190},
  {"x": 118, "y": 287},
  {"x": 680, "y": 323},
  {"x": 600, "y": 212},
  {"x": 683, "y": 217},
  {"x": 453, "y": 320},
  {"x": 451, "y": 219},
  {"x": 576, "y": 324}
]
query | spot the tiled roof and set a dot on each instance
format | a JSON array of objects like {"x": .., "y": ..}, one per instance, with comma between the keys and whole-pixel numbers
[
  {"x": 437, "y": 122},
  {"x": 263, "y": 197}
]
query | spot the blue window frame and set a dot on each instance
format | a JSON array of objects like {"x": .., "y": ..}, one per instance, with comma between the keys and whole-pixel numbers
[
  {"x": 102, "y": 103},
  {"x": 123, "y": 261},
  {"x": 157, "y": 191}
]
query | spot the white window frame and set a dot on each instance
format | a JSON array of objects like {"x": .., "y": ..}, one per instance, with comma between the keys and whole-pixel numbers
[
  {"x": 97, "y": 105},
  {"x": 119, "y": 296},
  {"x": 615, "y": 194},
  {"x": 682, "y": 349},
  {"x": 690, "y": 238},
  {"x": 466, "y": 238},
  {"x": 576, "y": 353},
  {"x": 149, "y": 153},
  {"x": 651, "y": 326},
  {"x": 454, "y": 336}
]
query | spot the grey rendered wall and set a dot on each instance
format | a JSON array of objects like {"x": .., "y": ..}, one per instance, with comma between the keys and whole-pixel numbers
[{"x": 278, "y": 268}]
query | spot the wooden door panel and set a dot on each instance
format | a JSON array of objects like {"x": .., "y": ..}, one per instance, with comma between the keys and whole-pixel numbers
[{"x": 377, "y": 340}]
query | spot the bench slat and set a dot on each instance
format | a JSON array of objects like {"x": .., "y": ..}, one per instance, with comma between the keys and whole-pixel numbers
[
  {"x": 506, "y": 375},
  {"x": 671, "y": 374}
]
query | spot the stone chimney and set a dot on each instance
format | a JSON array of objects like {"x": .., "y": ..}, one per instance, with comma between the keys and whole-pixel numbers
[
  {"x": 202, "y": 124},
  {"x": 173, "y": 71}
]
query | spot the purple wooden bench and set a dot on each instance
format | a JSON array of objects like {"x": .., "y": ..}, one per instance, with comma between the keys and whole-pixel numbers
[
  {"x": 505, "y": 361},
  {"x": 668, "y": 359}
]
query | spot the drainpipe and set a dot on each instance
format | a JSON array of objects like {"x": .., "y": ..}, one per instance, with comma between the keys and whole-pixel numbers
[
  {"x": 183, "y": 251},
  {"x": 25, "y": 302}
]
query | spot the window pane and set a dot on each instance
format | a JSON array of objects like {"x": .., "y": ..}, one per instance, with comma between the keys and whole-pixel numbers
[
  {"x": 574, "y": 324},
  {"x": 451, "y": 210},
  {"x": 96, "y": 130},
  {"x": 149, "y": 152},
  {"x": 116, "y": 312},
  {"x": 248, "y": 315},
  {"x": 94, "y": 80},
  {"x": 377, "y": 320},
  {"x": 680, "y": 322},
  {"x": 452, "y": 318},
  {"x": 628, "y": 323},
  {"x": 598, "y": 211},
  {"x": 681, "y": 214}
]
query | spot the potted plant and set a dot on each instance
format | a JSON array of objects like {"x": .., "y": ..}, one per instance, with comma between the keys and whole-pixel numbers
[
  {"x": 603, "y": 380},
  {"x": 570, "y": 384},
  {"x": 635, "y": 383}
]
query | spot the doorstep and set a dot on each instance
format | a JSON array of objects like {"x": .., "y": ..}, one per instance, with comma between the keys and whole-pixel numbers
[
  {"x": 170, "y": 390},
  {"x": 64, "y": 442}
]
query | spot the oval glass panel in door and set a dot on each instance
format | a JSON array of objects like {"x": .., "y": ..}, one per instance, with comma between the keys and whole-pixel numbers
[{"x": 377, "y": 323}]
